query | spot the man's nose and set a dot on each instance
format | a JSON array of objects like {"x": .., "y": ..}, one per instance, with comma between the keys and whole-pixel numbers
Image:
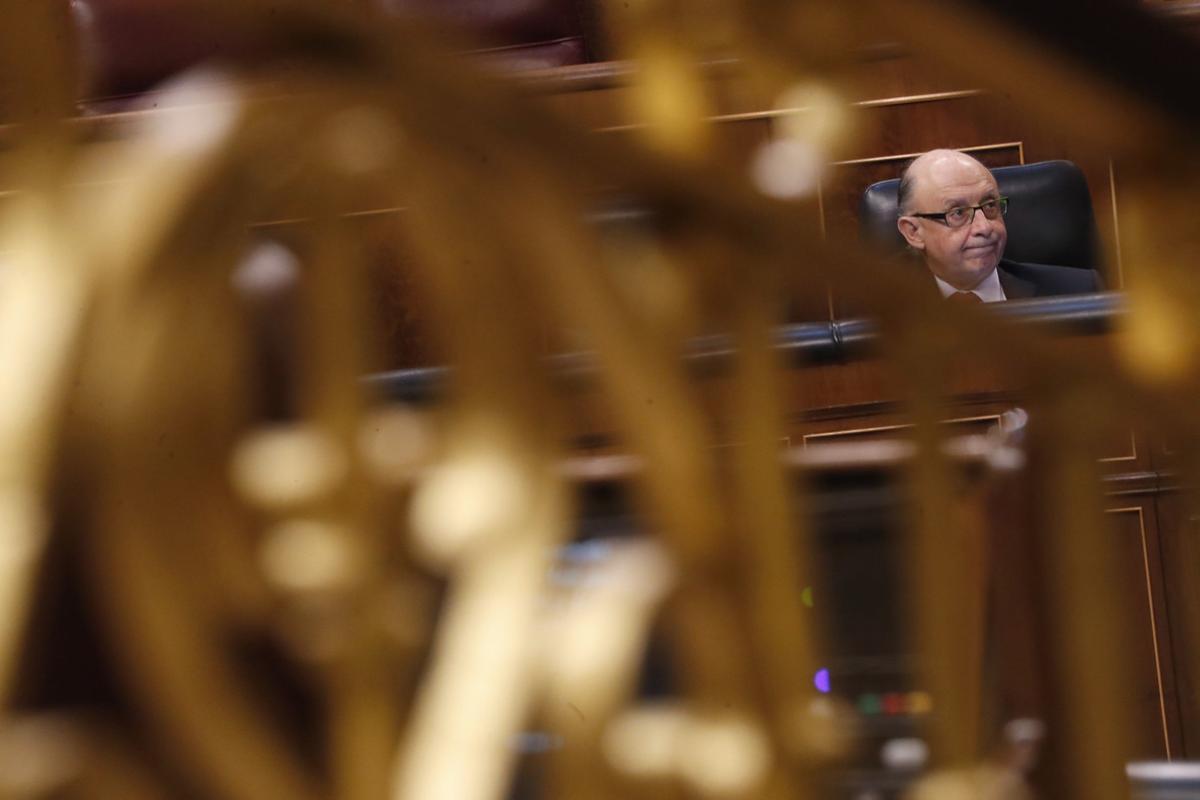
[{"x": 980, "y": 223}]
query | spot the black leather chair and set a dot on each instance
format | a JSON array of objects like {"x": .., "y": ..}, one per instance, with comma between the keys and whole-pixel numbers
[{"x": 1050, "y": 219}]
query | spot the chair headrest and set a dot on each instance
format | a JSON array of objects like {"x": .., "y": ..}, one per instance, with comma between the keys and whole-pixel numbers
[{"x": 1050, "y": 219}]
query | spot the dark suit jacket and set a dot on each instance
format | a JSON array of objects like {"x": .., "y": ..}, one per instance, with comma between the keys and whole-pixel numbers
[{"x": 1042, "y": 280}]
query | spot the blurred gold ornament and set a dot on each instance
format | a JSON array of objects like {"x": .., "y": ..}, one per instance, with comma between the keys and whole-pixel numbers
[
  {"x": 466, "y": 502},
  {"x": 822, "y": 728},
  {"x": 236, "y": 558},
  {"x": 724, "y": 755},
  {"x": 395, "y": 444},
  {"x": 309, "y": 556},
  {"x": 1157, "y": 342},
  {"x": 668, "y": 101},
  {"x": 283, "y": 468}
]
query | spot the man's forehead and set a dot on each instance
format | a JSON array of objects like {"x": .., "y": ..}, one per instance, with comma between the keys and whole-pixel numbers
[{"x": 948, "y": 178}]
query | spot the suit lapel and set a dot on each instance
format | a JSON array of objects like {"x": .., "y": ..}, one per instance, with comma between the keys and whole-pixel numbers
[{"x": 1015, "y": 288}]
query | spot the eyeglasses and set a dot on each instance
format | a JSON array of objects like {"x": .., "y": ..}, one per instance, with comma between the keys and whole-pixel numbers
[{"x": 965, "y": 215}]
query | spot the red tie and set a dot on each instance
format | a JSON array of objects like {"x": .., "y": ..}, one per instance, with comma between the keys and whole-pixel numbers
[{"x": 966, "y": 298}]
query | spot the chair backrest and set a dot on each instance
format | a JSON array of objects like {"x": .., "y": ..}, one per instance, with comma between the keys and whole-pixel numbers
[{"x": 1050, "y": 219}]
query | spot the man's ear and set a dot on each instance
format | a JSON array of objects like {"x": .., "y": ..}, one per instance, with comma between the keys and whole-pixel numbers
[{"x": 911, "y": 232}]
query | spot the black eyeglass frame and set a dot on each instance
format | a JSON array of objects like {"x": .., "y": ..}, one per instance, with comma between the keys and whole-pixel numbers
[{"x": 1001, "y": 203}]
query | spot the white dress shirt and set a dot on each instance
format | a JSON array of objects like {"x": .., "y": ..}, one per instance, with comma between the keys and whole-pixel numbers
[{"x": 989, "y": 289}]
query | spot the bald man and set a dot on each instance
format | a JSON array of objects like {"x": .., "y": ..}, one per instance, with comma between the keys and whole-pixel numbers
[{"x": 951, "y": 211}]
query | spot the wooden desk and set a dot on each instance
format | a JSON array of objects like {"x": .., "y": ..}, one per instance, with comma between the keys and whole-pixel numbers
[{"x": 839, "y": 390}]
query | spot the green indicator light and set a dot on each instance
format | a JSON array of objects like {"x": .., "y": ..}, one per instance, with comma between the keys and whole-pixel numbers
[
  {"x": 806, "y": 596},
  {"x": 870, "y": 704}
]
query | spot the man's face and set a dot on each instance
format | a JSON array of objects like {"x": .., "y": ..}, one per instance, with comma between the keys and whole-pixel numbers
[{"x": 962, "y": 257}]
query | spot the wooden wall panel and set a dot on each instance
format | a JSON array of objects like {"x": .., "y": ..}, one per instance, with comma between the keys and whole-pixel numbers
[
  {"x": 1179, "y": 540},
  {"x": 1124, "y": 452},
  {"x": 902, "y": 106},
  {"x": 1152, "y": 694},
  {"x": 736, "y": 141},
  {"x": 593, "y": 109}
]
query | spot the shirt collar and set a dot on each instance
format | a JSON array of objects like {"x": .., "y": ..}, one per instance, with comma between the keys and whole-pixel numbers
[{"x": 989, "y": 289}]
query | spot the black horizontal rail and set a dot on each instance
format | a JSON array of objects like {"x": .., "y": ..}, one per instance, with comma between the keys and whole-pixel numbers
[{"x": 803, "y": 343}]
